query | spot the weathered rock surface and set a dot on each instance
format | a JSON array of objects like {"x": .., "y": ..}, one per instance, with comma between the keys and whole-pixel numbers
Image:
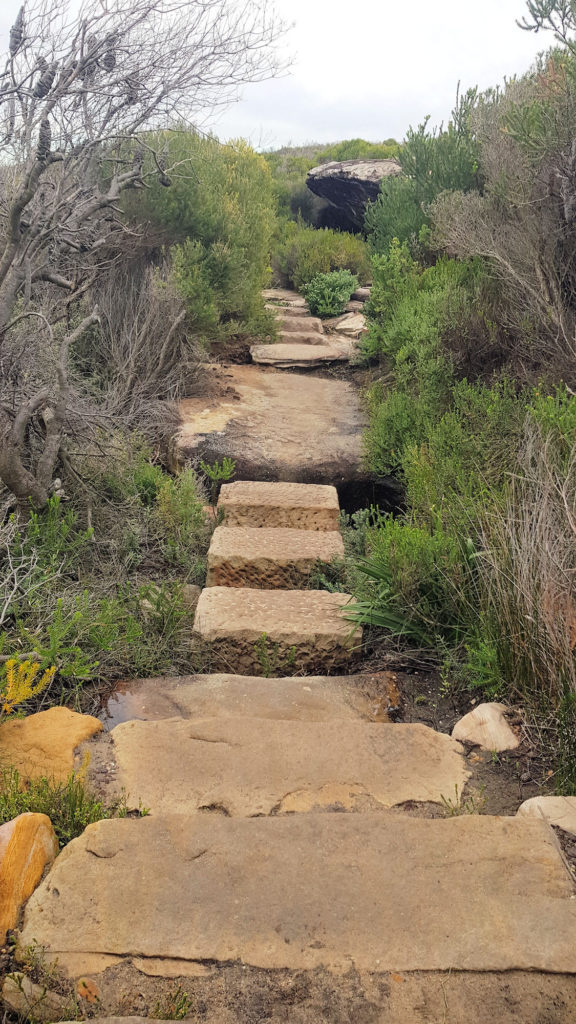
[
  {"x": 487, "y": 727},
  {"x": 300, "y": 337},
  {"x": 44, "y": 744},
  {"x": 350, "y": 185},
  {"x": 286, "y": 356},
  {"x": 376, "y": 891},
  {"x": 556, "y": 810},
  {"x": 305, "y": 324},
  {"x": 243, "y": 770},
  {"x": 362, "y": 294},
  {"x": 280, "y": 297},
  {"x": 241, "y": 556},
  {"x": 351, "y": 325},
  {"x": 313, "y": 699},
  {"x": 256, "y": 503},
  {"x": 28, "y": 844},
  {"x": 299, "y": 630},
  {"x": 276, "y": 427}
]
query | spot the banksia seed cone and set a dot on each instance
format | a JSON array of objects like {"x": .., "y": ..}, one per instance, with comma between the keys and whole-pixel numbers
[
  {"x": 17, "y": 33},
  {"x": 45, "y": 82},
  {"x": 44, "y": 140}
]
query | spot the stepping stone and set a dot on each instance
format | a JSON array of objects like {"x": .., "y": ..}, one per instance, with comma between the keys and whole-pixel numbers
[
  {"x": 362, "y": 294},
  {"x": 256, "y": 503},
  {"x": 288, "y": 311},
  {"x": 377, "y": 891},
  {"x": 28, "y": 844},
  {"x": 276, "y": 426},
  {"x": 44, "y": 744},
  {"x": 307, "y": 356},
  {"x": 289, "y": 631},
  {"x": 238, "y": 768},
  {"x": 301, "y": 324},
  {"x": 487, "y": 727},
  {"x": 556, "y": 810},
  {"x": 312, "y": 699},
  {"x": 269, "y": 558},
  {"x": 301, "y": 338}
]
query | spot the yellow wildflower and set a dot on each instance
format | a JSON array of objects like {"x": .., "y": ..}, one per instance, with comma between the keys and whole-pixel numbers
[{"x": 21, "y": 683}]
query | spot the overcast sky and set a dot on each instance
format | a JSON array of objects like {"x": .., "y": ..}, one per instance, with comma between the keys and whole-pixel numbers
[{"x": 373, "y": 68}]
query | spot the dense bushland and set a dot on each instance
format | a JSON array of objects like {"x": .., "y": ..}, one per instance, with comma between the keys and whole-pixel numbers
[
  {"x": 472, "y": 322},
  {"x": 300, "y": 253},
  {"x": 218, "y": 213}
]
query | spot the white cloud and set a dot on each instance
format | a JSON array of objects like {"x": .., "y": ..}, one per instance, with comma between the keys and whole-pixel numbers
[{"x": 372, "y": 69}]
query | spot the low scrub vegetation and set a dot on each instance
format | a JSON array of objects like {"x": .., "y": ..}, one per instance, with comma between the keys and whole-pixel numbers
[
  {"x": 327, "y": 294},
  {"x": 301, "y": 253},
  {"x": 472, "y": 322}
]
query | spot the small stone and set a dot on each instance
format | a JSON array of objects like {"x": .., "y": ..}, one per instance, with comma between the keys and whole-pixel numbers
[
  {"x": 44, "y": 744},
  {"x": 486, "y": 726},
  {"x": 28, "y": 844},
  {"x": 556, "y": 810},
  {"x": 35, "y": 1002}
]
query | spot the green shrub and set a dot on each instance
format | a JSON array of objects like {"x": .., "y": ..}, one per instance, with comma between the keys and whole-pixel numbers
[
  {"x": 432, "y": 162},
  {"x": 70, "y": 807},
  {"x": 327, "y": 294},
  {"x": 302, "y": 252},
  {"x": 219, "y": 215},
  {"x": 420, "y": 581}
]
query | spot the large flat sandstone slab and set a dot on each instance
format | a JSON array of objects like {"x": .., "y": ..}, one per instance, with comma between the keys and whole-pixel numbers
[
  {"x": 313, "y": 698},
  {"x": 267, "y": 558},
  {"x": 275, "y": 426},
  {"x": 243, "y": 770},
  {"x": 376, "y": 892},
  {"x": 256, "y": 503},
  {"x": 284, "y": 297},
  {"x": 300, "y": 631}
]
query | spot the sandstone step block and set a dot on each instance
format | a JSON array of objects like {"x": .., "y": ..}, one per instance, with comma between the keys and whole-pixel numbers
[
  {"x": 556, "y": 810},
  {"x": 255, "y": 503},
  {"x": 376, "y": 891},
  {"x": 301, "y": 324},
  {"x": 305, "y": 356},
  {"x": 241, "y": 556},
  {"x": 28, "y": 844},
  {"x": 242, "y": 770},
  {"x": 367, "y": 696},
  {"x": 300, "y": 631}
]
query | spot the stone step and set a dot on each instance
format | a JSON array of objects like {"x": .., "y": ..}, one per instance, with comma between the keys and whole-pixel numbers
[
  {"x": 301, "y": 324},
  {"x": 256, "y": 632},
  {"x": 366, "y": 696},
  {"x": 256, "y": 503},
  {"x": 289, "y": 311},
  {"x": 240, "y": 769},
  {"x": 306, "y": 356},
  {"x": 375, "y": 892},
  {"x": 241, "y": 556},
  {"x": 302, "y": 337},
  {"x": 284, "y": 297}
]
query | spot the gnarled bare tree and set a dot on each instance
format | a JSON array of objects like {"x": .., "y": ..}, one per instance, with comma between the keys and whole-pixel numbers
[{"x": 78, "y": 95}]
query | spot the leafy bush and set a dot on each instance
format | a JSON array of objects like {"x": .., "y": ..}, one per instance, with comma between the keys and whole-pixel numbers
[
  {"x": 432, "y": 162},
  {"x": 69, "y": 805},
  {"x": 302, "y": 252},
  {"x": 219, "y": 215},
  {"x": 327, "y": 294}
]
